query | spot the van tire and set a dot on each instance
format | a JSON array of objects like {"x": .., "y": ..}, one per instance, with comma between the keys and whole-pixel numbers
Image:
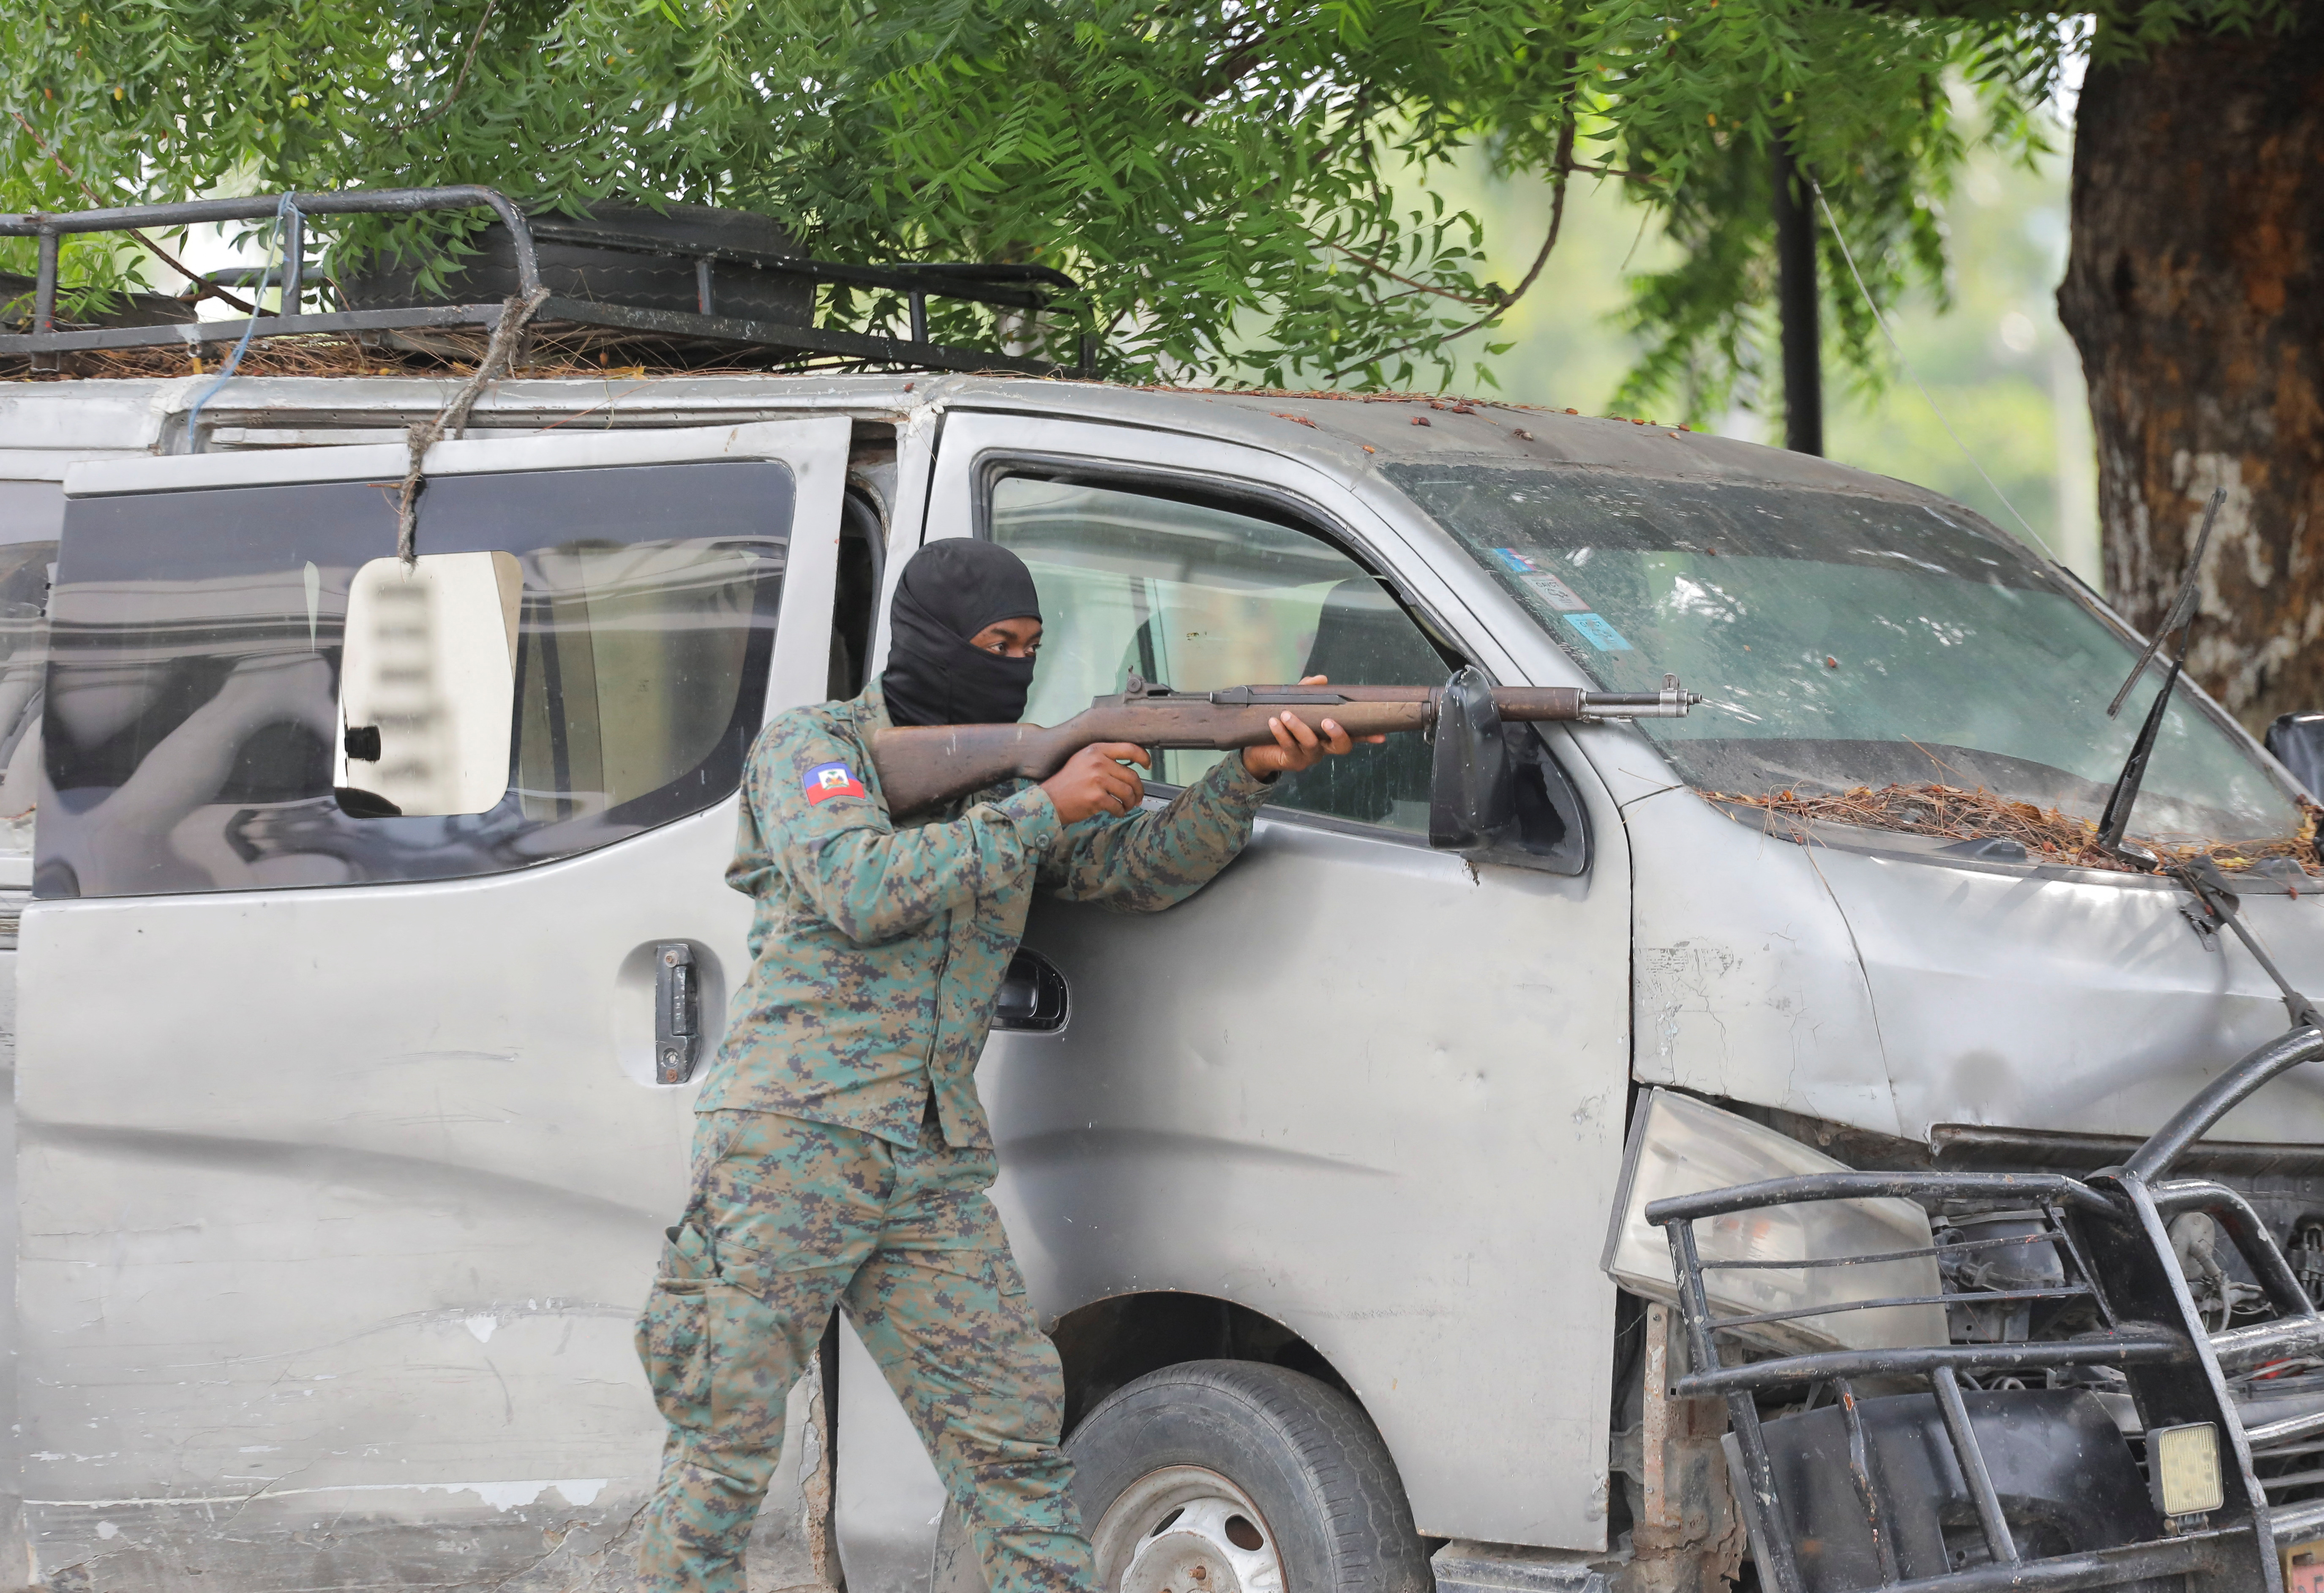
[{"x": 1330, "y": 1502}]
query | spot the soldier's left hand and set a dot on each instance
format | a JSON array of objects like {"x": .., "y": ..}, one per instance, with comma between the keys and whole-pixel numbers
[{"x": 1297, "y": 747}]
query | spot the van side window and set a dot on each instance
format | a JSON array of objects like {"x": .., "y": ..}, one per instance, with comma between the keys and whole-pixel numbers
[
  {"x": 194, "y": 677},
  {"x": 1199, "y": 598}
]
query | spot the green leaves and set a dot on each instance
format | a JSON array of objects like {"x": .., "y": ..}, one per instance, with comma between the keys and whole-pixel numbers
[{"x": 1236, "y": 182}]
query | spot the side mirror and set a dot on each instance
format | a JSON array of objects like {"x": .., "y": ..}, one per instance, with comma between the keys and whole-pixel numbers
[
  {"x": 1471, "y": 794},
  {"x": 2297, "y": 740},
  {"x": 428, "y": 686}
]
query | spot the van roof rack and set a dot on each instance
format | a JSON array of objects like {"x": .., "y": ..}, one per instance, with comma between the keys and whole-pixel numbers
[{"x": 1010, "y": 286}]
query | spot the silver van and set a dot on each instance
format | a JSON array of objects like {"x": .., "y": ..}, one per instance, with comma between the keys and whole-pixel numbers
[{"x": 343, "y": 1150}]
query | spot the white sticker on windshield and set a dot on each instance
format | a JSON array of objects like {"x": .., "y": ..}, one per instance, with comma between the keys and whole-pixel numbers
[
  {"x": 1598, "y": 633},
  {"x": 1556, "y": 593},
  {"x": 1546, "y": 587}
]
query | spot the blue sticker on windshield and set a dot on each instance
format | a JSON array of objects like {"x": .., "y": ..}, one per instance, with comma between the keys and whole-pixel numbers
[
  {"x": 1598, "y": 633},
  {"x": 1517, "y": 563}
]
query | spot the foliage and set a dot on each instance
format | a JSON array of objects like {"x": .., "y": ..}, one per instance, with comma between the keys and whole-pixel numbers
[{"x": 1232, "y": 181}]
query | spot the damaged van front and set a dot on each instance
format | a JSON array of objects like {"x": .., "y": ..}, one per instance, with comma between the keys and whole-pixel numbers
[{"x": 1930, "y": 1061}]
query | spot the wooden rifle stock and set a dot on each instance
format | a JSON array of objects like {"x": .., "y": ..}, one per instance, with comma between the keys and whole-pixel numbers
[{"x": 920, "y": 765}]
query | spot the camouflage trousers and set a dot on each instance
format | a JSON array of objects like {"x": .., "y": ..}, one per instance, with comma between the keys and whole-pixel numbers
[{"x": 788, "y": 1220}]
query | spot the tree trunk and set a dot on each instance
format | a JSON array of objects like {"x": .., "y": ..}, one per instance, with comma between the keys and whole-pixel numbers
[{"x": 2195, "y": 290}]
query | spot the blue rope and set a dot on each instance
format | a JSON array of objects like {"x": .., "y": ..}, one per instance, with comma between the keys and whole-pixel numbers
[{"x": 283, "y": 209}]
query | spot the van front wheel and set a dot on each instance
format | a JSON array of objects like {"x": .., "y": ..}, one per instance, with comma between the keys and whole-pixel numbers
[{"x": 1232, "y": 1477}]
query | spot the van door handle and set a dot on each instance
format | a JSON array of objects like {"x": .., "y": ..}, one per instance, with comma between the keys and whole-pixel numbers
[
  {"x": 1033, "y": 996},
  {"x": 677, "y": 1012}
]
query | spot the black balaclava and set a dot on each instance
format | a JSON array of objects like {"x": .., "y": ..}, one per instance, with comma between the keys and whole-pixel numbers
[{"x": 953, "y": 589}]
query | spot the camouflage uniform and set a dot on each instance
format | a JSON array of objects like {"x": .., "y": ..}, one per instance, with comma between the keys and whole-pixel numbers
[{"x": 842, "y": 1157}]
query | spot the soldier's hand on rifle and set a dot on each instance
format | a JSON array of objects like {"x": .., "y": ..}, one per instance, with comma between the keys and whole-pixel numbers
[
  {"x": 1296, "y": 746},
  {"x": 1095, "y": 781}
]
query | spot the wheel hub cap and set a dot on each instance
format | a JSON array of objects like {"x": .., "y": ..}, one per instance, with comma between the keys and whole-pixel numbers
[{"x": 1186, "y": 1529}]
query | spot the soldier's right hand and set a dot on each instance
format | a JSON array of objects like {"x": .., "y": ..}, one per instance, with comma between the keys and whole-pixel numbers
[{"x": 1095, "y": 781}]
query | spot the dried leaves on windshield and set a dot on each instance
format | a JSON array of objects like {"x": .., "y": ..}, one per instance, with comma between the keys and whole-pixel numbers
[{"x": 2048, "y": 834}]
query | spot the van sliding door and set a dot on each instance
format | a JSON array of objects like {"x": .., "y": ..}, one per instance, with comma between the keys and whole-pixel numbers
[{"x": 344, "y": 1160}]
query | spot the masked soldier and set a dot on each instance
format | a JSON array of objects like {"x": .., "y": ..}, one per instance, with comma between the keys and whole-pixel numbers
[{"x": 841, "y": 1156}]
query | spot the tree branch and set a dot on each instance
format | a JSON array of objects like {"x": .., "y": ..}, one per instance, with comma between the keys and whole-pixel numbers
[
  {"x": 203, "y": 287},
  {"x": 1564, "y": 167},
  {"x": 1368, "y": 263},
  {"x": 1237, "y": 62},
  {"x": 1589, "y": 169},
  {"x": 469, "y": 60},
  {"x": 459, "y": 79}
]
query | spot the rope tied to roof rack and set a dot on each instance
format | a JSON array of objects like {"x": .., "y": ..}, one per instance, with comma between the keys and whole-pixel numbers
[
  {"x": 516, "y": 314},
  {"x": 284, "y": 210}
]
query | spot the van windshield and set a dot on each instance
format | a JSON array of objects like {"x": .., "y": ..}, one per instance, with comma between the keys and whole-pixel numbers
[{"x": 1845, "y": 642}]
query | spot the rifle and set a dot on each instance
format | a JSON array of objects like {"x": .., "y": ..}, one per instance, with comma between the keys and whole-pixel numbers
[{"x": 920, "y": 766}]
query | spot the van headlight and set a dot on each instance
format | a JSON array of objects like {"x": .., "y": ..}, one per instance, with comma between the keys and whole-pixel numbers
[{"x": 1679, "y": 1146}]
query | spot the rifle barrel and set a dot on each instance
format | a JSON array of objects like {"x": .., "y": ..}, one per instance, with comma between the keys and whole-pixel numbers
[{"x": 1523, "y": 703}]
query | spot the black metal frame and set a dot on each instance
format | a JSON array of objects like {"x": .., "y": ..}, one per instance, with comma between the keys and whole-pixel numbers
[
  {"x": 1011, "y": 287},
  {"x": 2109, "y": 1233}
]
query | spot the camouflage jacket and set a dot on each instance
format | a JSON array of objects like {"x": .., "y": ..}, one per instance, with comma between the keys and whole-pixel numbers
[{"x": 877, "y": 949}]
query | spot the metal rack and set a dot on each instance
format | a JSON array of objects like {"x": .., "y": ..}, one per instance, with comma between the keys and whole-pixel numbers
[
  {"x": 2109, "y": 1234},
  {"x": 1022, "y": 288}
]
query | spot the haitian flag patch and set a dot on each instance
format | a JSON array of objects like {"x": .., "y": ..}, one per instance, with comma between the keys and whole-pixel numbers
[{"x": 826, "y": 780}]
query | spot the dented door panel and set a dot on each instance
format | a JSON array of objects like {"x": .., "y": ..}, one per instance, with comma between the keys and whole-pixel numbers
[
  {"x": 335, "y": 1229},
  {"x": 1747, "y": 982},
  {"x": 1409, "y": 1163},
  {"x": 2063, "y": 1001}
]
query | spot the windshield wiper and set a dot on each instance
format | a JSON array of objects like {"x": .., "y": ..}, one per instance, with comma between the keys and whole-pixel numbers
[
  {"x": 2200, "y": 876},
  {"x": 2116, "y": 819}
]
